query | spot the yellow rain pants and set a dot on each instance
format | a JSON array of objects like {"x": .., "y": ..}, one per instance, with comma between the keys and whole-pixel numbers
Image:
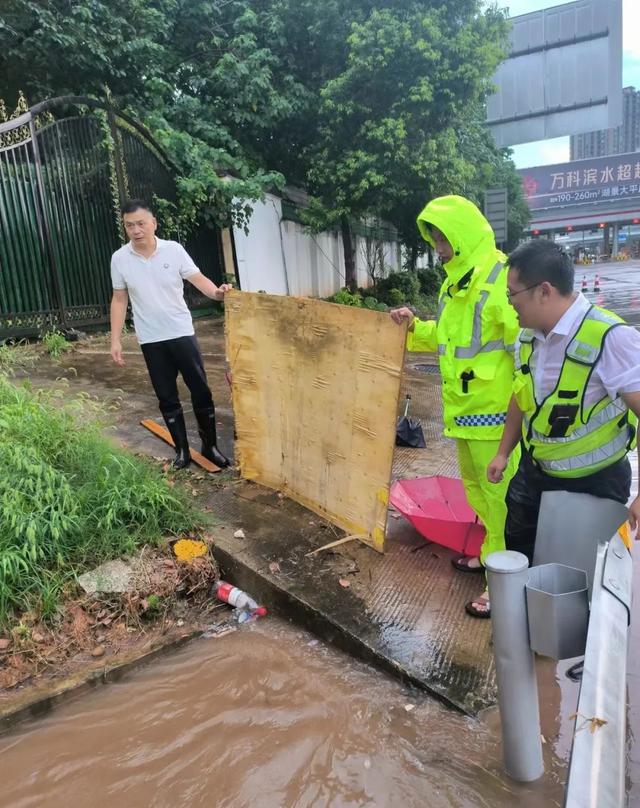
[{"x": 487, "y": 499}]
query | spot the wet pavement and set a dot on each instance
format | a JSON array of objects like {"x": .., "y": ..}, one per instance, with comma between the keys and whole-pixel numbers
[
  {"x": 402, "y": 611},
  {"x": 619, "y": 287}
]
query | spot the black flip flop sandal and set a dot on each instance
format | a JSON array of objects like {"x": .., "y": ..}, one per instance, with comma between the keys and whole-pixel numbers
[
  {"x": 459, "y": 565},
  {"x": 473, "y": 610}
]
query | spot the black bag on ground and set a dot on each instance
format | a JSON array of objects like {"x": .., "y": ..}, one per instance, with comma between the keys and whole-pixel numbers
[{"x": 409, "y": 430}]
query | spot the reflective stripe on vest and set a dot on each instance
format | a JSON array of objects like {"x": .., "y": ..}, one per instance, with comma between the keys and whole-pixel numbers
[
  {"x": 612, "y": 412},
  {"x": 525, "y": 338},
  {"x": 602, "y": 316},
  {"x": 476, "y": 347},
  {"x": 614, "y": 450},
  {"x": 582, "y": 352}
]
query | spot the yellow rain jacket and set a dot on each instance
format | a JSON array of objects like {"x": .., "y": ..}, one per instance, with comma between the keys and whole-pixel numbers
[{"x": 476, "y": 327}]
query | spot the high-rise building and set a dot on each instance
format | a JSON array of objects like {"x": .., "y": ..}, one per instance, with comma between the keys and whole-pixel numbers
[{"x": 620, "y": 140}]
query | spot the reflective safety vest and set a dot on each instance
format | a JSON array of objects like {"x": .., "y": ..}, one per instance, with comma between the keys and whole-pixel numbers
[
  {"x": 564, "y": 436},
  {"x": 476, "y": 326}
]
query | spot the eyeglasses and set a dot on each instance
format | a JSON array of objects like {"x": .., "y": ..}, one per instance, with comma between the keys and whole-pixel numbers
[{"x": 511, "y": 295}]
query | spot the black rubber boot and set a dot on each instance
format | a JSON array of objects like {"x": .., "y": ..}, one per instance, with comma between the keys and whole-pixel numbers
[
  {"x": 207, "y": 429},
  {"x": 177, "y": 428}
]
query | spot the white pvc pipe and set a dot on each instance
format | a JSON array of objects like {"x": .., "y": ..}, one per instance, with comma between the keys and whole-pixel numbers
[{"x": 508, "y": 572}]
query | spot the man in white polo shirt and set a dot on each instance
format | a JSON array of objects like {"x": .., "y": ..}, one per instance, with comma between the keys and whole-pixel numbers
[
  {"x": 150, "y": 272},
  {"x": 576, "y": 394}
]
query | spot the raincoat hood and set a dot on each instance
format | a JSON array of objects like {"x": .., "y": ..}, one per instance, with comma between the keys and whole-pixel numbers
[{"x": 465, "y": 228}]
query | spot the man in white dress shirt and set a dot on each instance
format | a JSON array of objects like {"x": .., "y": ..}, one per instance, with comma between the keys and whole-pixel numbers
[
  {"x": 576, "y": 394},
  {"x": 150, "y": 272}
]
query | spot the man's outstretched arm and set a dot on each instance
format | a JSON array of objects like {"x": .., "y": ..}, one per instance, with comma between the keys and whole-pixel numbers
[{"x": 208, "y": 287}]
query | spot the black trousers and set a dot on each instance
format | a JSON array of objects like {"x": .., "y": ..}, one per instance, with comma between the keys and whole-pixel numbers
[
  {"x": 529, "y": 483},
  {"x": 168, "y": 358}
]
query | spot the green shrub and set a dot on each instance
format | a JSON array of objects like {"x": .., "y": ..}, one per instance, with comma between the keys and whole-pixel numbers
[
  {"x": 346, "y": 298},
  {"x": 69, "y": 499},
  {"x": 426, "y": 306},
  {"x": 18, "y": 356},
  {"x": 370, "y": 302},
  {"x": 395, "y": 297},
  {"x": 430, "y": 280},
  {"x": 398, "y": 288}
]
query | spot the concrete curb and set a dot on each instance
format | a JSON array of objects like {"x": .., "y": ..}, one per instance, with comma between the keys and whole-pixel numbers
[{"x": 308, "y": 616}]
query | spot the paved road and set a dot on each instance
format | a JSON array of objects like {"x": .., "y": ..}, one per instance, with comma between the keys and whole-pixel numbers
[{"x": 619, "y": 287}]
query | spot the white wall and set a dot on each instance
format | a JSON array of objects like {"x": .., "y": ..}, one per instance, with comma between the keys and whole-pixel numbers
[
  {"x": 259, "y": 254},
  {"x": 315, "y": 262},
  {"x": 283, "y": 257}
]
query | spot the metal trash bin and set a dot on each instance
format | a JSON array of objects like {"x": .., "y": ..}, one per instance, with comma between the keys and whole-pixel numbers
[
  {"x": 558, "y": 610},
  {"x": 571, "y": 527}
]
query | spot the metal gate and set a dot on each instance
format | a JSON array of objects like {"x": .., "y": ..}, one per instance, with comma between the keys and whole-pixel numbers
[{"x": 66, "y": 166}]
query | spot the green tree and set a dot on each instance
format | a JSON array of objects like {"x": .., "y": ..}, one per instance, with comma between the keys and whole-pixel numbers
[
  {"x": 403, "y": 115},
  {"x": 372, "y": 106},
  {"x": 386, "y": 121},
  {"x": 193, "y": 71}
]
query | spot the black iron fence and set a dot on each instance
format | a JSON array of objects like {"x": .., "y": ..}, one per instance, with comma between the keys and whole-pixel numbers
[{"x": 66, "y": 165}]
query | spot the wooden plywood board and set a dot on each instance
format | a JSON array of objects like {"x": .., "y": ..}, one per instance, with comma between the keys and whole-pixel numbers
[
  {"x": 165, "y": 435},
  {"x": 315, "y": 396}
]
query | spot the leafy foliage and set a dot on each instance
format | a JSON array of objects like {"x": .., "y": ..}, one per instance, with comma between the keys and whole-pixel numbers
[
  {"x": 404, "y": 283},
  {"x": 346, "y": 298},
  {"x": 195, "y": 73},
  {"x": 375, "y": 107},
  {"x": 69, "y": 498},
  {"x": 415, "y": 76},
  {"x": 396, "y": 289},
  {"x": 18, "y": 356},
  {"x": 430, "y": 280}
]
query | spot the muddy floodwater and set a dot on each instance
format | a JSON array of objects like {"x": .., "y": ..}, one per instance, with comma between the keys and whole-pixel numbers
[{"x": 266, "y": 717}]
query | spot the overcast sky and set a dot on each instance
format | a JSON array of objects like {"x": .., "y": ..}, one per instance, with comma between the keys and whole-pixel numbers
[{"x": 557, "y": 150}]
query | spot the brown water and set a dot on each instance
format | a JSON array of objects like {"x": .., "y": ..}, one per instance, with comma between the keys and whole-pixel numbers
[{"x": 266, "y": 717}]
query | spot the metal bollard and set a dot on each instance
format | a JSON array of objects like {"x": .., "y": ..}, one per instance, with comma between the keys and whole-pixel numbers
[{"x": 508, "y": 573}]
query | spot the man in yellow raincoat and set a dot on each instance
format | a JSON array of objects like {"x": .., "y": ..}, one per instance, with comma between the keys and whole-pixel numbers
[{"x": 474, "y": 335}]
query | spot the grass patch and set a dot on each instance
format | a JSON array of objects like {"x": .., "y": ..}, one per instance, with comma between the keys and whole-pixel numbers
[
  {"x": 70, "y": 499},
  {"x": 18, "y": 356},
  {"x": 56, "y": 343}
]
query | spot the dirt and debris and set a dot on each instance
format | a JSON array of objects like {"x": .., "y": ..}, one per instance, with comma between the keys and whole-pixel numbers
[
  {"x": 164, "y": 593},
  {"x": 594, "y": 723}
]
